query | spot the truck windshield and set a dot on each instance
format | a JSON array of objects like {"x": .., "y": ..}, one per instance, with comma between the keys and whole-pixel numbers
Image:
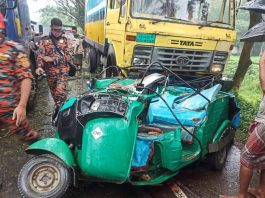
[{"x": 203, "y": 12}]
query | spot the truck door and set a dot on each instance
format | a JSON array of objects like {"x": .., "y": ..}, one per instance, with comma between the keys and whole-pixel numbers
[{"x": 115, "y": 26}]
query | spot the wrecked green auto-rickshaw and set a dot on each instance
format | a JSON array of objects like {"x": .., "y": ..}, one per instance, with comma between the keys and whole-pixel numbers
[{"x": 140, "y": 130}]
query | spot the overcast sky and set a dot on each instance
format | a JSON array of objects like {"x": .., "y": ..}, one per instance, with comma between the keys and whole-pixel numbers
[{"x": 35, "y": 6}]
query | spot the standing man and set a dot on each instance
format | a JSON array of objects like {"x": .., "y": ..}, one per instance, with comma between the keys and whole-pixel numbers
[
  {"x": 253, "y": 154},
  {"x": 52, "y": 56},
  {"x": 15, "y": 87}
]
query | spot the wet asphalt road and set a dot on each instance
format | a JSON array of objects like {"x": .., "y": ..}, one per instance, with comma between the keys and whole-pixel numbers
[{"x": 198, "y": 180}]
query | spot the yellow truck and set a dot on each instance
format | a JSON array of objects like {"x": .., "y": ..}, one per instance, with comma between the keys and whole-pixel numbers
[{"x": 193, "y": 36}]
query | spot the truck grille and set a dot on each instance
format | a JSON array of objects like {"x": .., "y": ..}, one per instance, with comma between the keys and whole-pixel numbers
[
  {"x": 145, "y": 52},
  {"x": 183, "y": 59}
]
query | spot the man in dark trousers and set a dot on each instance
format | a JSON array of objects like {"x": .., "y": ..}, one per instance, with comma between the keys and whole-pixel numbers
[{"x": 52, "y": 56}]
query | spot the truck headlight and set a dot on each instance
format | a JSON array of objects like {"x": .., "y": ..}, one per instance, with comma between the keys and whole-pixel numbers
[
  {"x": 140, "y": 61},
  {"x": 142, "y": 55},
  {"x": 219, "y": 61},
  {"x": 217, "y": 68}
]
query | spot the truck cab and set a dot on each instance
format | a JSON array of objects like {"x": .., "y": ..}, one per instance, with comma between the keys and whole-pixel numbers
[{"x": 184, "y": 35}]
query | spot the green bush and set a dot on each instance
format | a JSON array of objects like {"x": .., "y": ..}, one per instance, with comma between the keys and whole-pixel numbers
[
  {"x": 248, "y": 113},
  {"x": 249, "y": 94}
]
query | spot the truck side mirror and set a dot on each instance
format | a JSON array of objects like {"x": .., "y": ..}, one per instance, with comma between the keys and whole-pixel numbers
[{"x": 122, "y": 9}]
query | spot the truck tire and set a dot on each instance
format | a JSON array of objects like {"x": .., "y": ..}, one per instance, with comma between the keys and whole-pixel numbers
[
  {"x": 112, "y": 72},
  {"x": 92, "y": 57},
  {"x": 44, "y": 176}
]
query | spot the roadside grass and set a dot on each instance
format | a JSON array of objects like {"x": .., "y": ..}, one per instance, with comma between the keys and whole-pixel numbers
[{"x": 249, "y": 94}]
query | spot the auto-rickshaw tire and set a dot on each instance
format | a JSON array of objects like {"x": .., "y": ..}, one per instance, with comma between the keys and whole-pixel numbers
[
  {"x": 35, "y": 169},
  {"x": 218, "y": 158}
]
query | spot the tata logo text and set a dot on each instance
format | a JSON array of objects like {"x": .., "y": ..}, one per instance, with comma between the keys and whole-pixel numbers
[
  {"x": 182, "y": 60},
  {"x": 187, "y": 43}
]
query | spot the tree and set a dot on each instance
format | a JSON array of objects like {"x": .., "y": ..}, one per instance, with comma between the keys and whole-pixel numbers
[
  {"x": 75, "y": 9},
  {"x": 70, "y": 11},
  {"x": 244, "y": 60},
  {"x": 48, "y": 13}
]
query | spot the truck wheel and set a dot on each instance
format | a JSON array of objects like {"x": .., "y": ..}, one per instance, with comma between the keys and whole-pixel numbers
[
  {"x": 92, "y": 60},
  {"x": 44, "y": 176},
  {"x": 112, "y": 72}
]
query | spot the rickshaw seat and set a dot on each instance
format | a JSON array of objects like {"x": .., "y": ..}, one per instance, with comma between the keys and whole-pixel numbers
[{"x": 190, "y": 112}]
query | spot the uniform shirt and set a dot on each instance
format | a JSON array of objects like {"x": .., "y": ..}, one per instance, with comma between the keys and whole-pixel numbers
[
  {"x": 14, "y": 67},
  {"x": 46, "y": 48}
]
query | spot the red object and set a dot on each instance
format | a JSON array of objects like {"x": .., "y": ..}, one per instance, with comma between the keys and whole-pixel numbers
[{"x": 2, "y": 21}]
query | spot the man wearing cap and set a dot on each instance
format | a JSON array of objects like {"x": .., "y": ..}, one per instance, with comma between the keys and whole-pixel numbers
[{"x": 52, "y": 56}]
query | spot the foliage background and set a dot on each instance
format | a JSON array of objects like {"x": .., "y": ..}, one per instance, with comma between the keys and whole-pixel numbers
[
  {"x": 249, "y": 94},
  {"x": 242, "y": 23},
  {"x": 71, "y": 12}
]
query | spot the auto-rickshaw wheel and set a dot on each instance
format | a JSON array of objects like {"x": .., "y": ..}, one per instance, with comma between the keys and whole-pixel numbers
[
  {"x": 218, "y": 158},
  {"x": 44, "y": 176}
]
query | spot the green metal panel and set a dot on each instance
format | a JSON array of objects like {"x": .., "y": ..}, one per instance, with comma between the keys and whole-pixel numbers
[
  {"x": 126, "y": 82},
  {"x": 217, "y": 113},
  {"x": 108, "y": 146},
  {"x": 104, "y": 83},
  {"x": 170, "y": 150},
  {"x": 219, "y": 132},
  {"x": 156, "y": 180},
  {"x": 54, "y": 146}
]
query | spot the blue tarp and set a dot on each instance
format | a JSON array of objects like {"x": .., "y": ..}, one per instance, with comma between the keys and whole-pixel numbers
[
  {"x": 191, "y": 111},
  {"x": 143, "y": 151}
]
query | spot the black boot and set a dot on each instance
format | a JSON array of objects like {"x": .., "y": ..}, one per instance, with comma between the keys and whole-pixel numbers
[
  {"x": 55, "y": 115},
  {"x": 1, "y": 183}
]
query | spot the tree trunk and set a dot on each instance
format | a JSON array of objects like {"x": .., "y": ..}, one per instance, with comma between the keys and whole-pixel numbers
[{"x": 244, "y": 60}]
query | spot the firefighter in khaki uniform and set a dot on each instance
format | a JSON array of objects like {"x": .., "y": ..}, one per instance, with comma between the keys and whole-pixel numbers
[
  {"x": 15, "y": 86},
  {"x": 52, "y": 56}
]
